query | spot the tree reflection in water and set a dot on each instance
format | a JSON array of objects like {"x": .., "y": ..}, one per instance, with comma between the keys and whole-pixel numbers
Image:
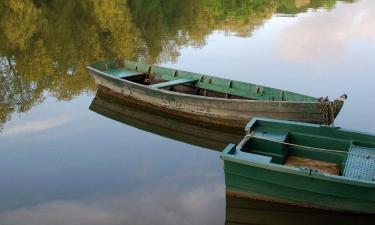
[{"x": 45, "y": 45}]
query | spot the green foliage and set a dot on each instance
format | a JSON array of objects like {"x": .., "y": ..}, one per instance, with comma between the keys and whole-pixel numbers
[
  {"x": 46, "y": 45},
  {"x": 50, "y": 43}
]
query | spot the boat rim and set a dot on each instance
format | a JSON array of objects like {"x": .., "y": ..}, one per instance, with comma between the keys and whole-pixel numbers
[
  {"x": 293, "y": 170},
  {"x": 299, "y": 123},
  {"x": 203, "y": 97}
]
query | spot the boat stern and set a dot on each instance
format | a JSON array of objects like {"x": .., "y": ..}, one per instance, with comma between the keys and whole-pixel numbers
[{"x": 339, "y": 103}]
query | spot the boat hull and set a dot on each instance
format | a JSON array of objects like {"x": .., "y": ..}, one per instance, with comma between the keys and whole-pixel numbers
[
  {"x": 297, "y": 189},
  {"x": 219, "y": 111}
]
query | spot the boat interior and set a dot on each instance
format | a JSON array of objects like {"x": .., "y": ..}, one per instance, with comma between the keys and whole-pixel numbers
[
  {"x": 311, "y": 152},
  {"x": 193, "y": 83}
]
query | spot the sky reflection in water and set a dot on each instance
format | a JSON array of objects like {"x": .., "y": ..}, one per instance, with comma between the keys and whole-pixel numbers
[{"x": 61, "y": 163}]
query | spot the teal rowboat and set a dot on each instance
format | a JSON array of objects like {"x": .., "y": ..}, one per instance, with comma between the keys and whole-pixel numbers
[
  {"x": 303, "y": 164},
  {"x": 207, "y": 98}
]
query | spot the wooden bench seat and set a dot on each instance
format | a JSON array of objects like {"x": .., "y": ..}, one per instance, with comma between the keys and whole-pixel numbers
[{"x": 173, "y": 83}]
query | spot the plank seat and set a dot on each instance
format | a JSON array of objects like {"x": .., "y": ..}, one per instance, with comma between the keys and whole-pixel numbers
[
  {"x": 122, "y": 72},
  {"x": 254, "y": 157},
  {"x": 173, "y": 83},
  {"x": 360, "y": 163}
]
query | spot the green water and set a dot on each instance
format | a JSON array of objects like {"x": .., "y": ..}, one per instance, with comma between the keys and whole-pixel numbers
[{"x": 61, "y": 163}]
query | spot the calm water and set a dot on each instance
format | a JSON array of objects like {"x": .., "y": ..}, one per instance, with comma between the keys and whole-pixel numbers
[{"x": 61, "y": 163}]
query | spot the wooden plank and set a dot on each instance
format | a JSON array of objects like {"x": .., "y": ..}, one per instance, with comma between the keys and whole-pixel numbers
[
  {"x": 161, "y": 71},
  {"x": 236, "y": 88},
  {"x": 138, "y": 66},
  {"x": 122, "y": 72},
  {"x": 173, "y": 83},
  {"x": 325, "y": 167},
  {"x": 246, "y": 90}
]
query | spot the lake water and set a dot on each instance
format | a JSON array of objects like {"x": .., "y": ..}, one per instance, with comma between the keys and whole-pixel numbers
[{"x": 62, "y": 163}]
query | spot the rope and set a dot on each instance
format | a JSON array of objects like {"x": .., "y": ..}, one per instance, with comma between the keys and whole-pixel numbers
[
  {"x": 311, "y": 148},
  {"x": 327, "y": 112}
]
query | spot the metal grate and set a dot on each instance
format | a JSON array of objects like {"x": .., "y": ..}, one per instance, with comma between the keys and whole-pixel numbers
[{"x": 360, "y": 163}]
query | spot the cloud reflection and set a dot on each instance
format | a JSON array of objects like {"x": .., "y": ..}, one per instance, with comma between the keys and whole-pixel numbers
[
  {"x": 34, "y": 126},
  {"x": 327, "y": 35},
  {"x": 202, "y": 205}
]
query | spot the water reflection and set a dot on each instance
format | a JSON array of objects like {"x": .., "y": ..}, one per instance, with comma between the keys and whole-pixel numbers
[
  {"x": 63, "y": 164},
  {"x": 318, "y": 46},
  {"x": 167, "y": 202},
  {"x": 249, "y": 211},
  {"x": 163, "y": 124},
  {"x": 45, "y": 46},
  {"x": 93, "y": 170}
]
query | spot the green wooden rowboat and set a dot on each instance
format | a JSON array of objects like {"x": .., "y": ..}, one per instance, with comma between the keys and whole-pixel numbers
[
  {"x": 303, "y": 164},
  {"x": 207, "y": 98}
]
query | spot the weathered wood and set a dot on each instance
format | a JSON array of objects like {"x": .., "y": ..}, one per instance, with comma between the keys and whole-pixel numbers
[
  {"x": 325, "y": 167},
  {"x": 244, "y": 102},
  {"x": 122, "y": 73},
  {"x": 229, "y": 86},
  {"x": 173, "y": 83}
]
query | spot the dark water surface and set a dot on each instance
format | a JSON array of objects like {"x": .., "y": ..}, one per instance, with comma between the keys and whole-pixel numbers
[{"x": 62, "y": 163}]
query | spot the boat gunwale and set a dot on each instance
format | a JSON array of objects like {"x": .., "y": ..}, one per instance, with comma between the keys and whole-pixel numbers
[
  {"x": 202, "y": 97},
  {"x": 310, "y": 125},
  {"x": 225, "y": 156}
]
